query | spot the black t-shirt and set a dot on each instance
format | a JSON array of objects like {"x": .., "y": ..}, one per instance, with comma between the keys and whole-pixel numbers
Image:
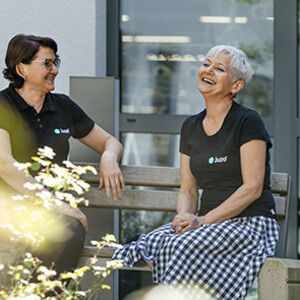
[
  {"x": 59, "y": 119},
  {"x": 215, "y": 159}
]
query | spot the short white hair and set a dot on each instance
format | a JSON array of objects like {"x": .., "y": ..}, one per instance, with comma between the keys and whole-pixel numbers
[{"x": 239, "y": 63}]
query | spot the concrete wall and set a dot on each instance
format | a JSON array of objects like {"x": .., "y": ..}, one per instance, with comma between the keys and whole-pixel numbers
[{"x": 79, "y": 28}]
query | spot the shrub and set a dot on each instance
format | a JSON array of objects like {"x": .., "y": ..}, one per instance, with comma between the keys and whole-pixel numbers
[{"x": 25, "y": 230}]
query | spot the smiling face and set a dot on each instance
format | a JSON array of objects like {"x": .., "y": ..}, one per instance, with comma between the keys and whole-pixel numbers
[
  {"x": 215, "y": 77},
  {"x": 36, "y": 75}
]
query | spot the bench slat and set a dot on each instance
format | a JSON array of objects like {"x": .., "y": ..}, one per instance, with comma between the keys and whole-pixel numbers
[
  {"x": 280, "y": 204},
  {"x": 89, "y": 251},
  {"x": 135, "y": 199},
  {"x": 155, "y": 200},
  {"x": 107, "y": 253},
  {"x": 170, "y": 177},
  {"x": 144, "y": 176},
  {"x": 280, "y": 183}
]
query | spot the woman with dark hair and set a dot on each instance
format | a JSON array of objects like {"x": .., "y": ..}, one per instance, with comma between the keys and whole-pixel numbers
[
  {"x": 22, "y": 49},
  {"x": 32, "y": 117},
  {"x": 216, "y": 251}
]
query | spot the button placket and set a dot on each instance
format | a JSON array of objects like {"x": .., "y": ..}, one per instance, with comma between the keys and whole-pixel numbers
[{"x": 38, "y": 119}]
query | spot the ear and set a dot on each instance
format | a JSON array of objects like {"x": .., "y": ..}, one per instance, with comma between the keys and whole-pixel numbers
[
  {"x": 237, "y": 86},
  {"x": 21, "y": 70}
]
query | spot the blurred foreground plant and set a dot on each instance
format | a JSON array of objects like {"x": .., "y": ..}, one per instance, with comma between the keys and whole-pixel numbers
[{"x": 31, "y": 219}]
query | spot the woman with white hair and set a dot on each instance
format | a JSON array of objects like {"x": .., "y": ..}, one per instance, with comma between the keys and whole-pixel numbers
[{"x": 217, "y": 250}]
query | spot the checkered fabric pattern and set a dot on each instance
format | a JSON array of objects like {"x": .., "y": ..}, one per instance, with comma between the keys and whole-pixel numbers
[{"x": 218, "y": 260}]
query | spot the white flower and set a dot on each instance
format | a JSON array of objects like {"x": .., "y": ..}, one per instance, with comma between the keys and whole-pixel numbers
[
  {"x": 60, "y": 195},
  {"x": 99, "y": 268},
  {"x": 83, "y": 184},
  {"x": 69, "y": 197},
  {"x": 48, "y": 204},
  {"x": 59, "y": 171},
  {"x": 57, "y": 202},
  {"x": 44, "y": 163},
  {"x": 46, "y": 152},
  {"x": 68, "y": 164},
  {"x": 51, "y": 182},
  {"x": 47, "y": 272},
  {"x": 33, "y": 186},
  {"x": 38, "y": 178},
  {"x": 44, "y": 195},
  {"x": 20, "y": 208},
  {"x": 78, "y": 189},
  {"x": 21, "y": 166},
  {"x": 17, "y": 198},
  {"x": 9, "y": 226},
  {"x": 80, "y": 293},
  {"x": 114, "y": 264},
  {"x": 109, "y": 238}
]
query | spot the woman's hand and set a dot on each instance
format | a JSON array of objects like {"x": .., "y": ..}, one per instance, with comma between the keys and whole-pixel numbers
[
  {"x": 186, "y": 221},
  {"x": 182, "y": 221},
  {"x": 111, "y": 176},
  {"x": 110, "y": 149},
  {"x": 187, "y": 202}
]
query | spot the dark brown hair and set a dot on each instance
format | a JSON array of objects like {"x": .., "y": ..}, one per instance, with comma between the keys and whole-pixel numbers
[{"x": 22, "y": 49}]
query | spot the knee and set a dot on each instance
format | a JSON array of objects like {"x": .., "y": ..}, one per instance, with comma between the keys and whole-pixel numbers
[{"x": 75, "y": 234}]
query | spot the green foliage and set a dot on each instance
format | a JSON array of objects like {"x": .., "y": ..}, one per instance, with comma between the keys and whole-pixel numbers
[{"x": 25, "y": 231}]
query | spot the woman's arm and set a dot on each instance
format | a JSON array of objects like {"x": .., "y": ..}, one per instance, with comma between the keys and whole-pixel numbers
[
  {"x": 8, "y": 172},
  {"x": 111, "y": 150},
  {"x": 187, "y": 202},
  {"x": 253, "y": 156},
  {"x": 17, "y": 178}
]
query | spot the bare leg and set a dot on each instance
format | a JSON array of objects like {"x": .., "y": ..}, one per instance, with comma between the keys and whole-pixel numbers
[{"x": 150, "y": 265}]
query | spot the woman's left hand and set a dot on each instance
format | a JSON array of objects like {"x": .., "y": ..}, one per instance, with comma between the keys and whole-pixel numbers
[
  {"x": 183, "y": 221},
  {"x": 186, "y": 222},
  {"x": 110, "y": 176}
]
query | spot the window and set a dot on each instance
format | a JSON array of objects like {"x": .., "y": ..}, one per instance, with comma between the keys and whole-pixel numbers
[{"x": 164, "y": 43}]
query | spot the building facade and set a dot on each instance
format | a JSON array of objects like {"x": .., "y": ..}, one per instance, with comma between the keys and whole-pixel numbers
[{"x": 153, "y": 49}]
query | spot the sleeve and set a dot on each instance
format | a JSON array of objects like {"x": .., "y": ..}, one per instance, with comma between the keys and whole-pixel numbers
[
  {"x": 253, "y": 128},
  {"x": 82, "y": 124},
  {"x": 184, "y": 146}
]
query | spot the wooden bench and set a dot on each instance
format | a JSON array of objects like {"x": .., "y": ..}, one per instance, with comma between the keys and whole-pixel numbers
[{"x": 156, "y": 189}]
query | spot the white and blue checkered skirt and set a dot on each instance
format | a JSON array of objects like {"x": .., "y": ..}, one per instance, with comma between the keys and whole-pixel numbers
[{"x": 218, "y": 260}]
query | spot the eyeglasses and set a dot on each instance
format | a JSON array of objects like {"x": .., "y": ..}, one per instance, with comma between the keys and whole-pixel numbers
[{"x": 48, "y": 63}]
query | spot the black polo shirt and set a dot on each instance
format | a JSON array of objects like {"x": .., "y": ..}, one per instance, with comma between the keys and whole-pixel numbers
[
  {"x": 215, "y": 159},
  {"x": 59, "y": 119}
]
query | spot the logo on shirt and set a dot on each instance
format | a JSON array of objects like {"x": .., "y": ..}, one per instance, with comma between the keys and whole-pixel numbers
[
  {"x": 61, "y": 130},
  {"x": 217, "y": 160}
]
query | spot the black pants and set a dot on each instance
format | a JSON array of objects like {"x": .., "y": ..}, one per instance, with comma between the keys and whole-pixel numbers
[{"x": 64, "y": 252}]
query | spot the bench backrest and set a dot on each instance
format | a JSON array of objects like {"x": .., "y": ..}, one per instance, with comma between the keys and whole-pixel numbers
[{"x": 156, "y": 188}]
